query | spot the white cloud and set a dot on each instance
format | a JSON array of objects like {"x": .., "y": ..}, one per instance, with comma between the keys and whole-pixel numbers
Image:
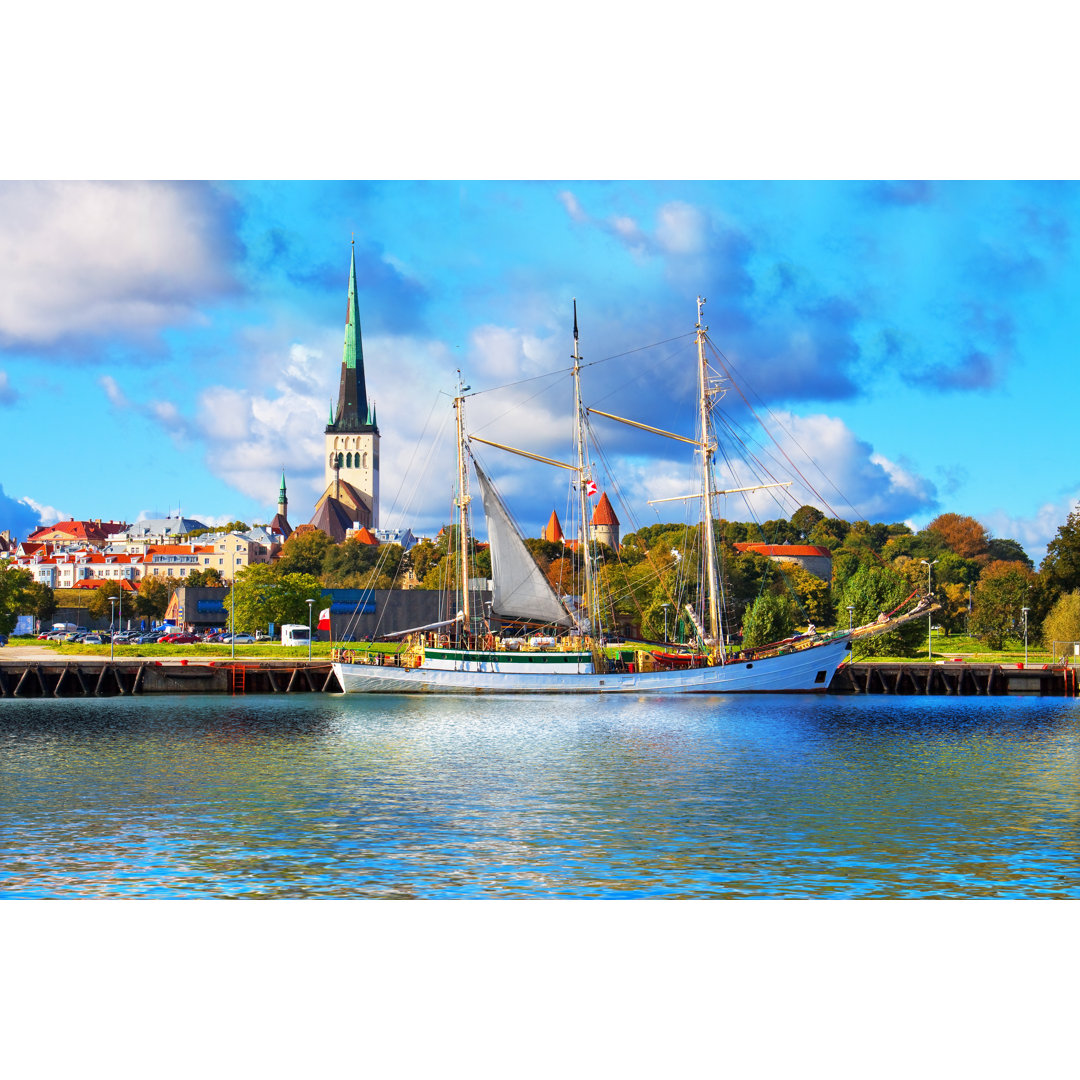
[
  {"x": 8, "y": 394},
  {"x": 96, "y": 257},
  {"x": 117, "y": 397},
  {"x": 573, "y": 207},
  {"x": 1032, "y": 533},
  {"x": 680, "y": 229}
]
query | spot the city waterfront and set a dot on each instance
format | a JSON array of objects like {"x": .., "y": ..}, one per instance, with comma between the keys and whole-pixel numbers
[{"x": 429, "y": 797}]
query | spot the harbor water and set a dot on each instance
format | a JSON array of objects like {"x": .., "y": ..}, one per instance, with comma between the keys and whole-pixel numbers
[{"x": 429, "y": 797}]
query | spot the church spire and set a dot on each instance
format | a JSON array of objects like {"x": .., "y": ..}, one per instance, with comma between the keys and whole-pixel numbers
[
  {"x": 352, "y": 406},
  {"x": 282, "y": 500}
]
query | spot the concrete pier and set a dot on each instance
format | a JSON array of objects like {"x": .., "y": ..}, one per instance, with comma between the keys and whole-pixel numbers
[
  {"x": 963, "y": 679},
  {"x": 93, "y": 677}
]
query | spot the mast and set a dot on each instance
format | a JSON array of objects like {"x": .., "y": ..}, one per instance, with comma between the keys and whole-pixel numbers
[
  {"x": 708, "y": 448},
  {"x": 463, "y": 505},
  {"x": 591, "y": 607}
]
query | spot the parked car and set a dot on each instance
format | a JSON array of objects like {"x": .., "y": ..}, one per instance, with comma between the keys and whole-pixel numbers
[
  {"x": 239, "y": 639},
  {"x": 180, "y": 639},
  {"x": 93, "y": 639}
]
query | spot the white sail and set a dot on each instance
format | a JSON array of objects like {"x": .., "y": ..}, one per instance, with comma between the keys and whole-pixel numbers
[{"x": 521, "y": 591}]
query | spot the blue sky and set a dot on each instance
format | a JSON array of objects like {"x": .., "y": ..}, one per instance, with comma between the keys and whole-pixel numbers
[{"x": 168, "y": 345}]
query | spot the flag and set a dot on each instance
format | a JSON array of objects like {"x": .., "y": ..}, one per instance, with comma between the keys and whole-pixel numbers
[
  {"x": 590, "y": 488},
  {"x": 324, "y": 619}
]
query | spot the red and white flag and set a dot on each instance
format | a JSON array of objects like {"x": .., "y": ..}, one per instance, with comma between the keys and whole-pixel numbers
[
  {"x": 324, "y": 619},
  {"x": 590, "y": 488}
]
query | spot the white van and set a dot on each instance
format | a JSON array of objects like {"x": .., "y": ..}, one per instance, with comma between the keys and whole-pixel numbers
[{"x": 294, "y": 634}]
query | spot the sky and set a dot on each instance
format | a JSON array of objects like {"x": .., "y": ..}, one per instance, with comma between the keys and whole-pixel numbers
[{"x": 173, "y": 346}]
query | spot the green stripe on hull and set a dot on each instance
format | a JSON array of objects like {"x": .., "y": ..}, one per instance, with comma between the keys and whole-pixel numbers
[{"x": 508, "y": 657}]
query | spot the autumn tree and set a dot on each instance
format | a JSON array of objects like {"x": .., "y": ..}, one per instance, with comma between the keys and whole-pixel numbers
[
  {"x": 1062, "y": 625},
  {"x": 811, "y": 593},
  {"x": 962, "y": 535}
]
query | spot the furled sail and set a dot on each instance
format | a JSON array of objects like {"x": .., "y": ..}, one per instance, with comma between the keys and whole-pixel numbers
[{"x": 521, "y": 591}]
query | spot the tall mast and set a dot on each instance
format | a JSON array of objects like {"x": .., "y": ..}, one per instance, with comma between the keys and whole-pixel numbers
[
  {"x": 708, "y": 448},
  {"x": 583, "y": 504},
  {"x": 463, "y": 504}
]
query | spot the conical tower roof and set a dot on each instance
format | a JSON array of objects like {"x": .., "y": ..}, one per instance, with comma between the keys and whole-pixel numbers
[
  {"x": 604, "y": 513},
  {"x": 553, "y": 530},
  {"x": 352, "y": 407}
]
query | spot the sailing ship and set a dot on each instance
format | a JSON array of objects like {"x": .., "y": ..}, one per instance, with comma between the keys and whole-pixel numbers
[{"x": 466, "y": 655}]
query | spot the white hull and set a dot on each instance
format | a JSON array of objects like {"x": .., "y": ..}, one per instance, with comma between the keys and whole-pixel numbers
[{"x": 803, "y": 671}]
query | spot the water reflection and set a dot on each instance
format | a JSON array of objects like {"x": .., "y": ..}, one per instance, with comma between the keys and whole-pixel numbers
[{"x": 426, "y": 797}]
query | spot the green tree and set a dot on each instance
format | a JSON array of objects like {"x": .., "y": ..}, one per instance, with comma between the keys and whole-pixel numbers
[
  {"x": 805, "y": 518},
  {"x": 304, "y": 553},
  {"x": 153, "y": 597},
  {"x": 263, "y": 596},
  {"x": 770, "y": 618},
  {"x": 41, "y": 601},
  {"x": 874, "y": 590},
  {"x": 1003, "y": 550},
  {"x": 15, "y": 597},
  {"x": 1061, "y": 567},
  {"x": 1004, "y": 589},
  {"x": 98, "y": 605},
  {"x": 813, "y": 596},
  {"x": 204, "y": 579}
]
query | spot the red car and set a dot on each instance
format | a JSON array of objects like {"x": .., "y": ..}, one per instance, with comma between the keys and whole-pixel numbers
[{"x": 178, "y": 639}]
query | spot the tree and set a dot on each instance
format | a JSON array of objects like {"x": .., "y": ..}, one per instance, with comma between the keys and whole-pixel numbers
[
  {"x": 1061, "y": 567},
  {"x": 263, "y": 596},
  {"x": 304, "y": 553},
  {"x": 98, "y": 605},
  {"x": 962, "y": 535},
  {"x": 1062, "y": 625},
  {"x": 153, "y": 597},
  {"x": 204, "y": 579},
  {"x": 874, "y": 590},
  {"x": 15, "y": 597},
  {"x": 805, "y": 518},
  {"x": 812, "y": 594},
  {"x": 41, "y": 600},
  {"x": 1002, "y": 550},
  {"x": 770, "y": 618},
  {"x": 1004, "y": 589}
]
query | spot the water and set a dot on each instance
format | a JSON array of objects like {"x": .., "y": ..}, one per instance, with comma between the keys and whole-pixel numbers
[{"x": 764, "y": 797}]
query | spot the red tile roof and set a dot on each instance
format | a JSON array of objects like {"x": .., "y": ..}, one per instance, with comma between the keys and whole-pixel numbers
[
  {"x": 604, "y": 514},
  {"x": 791, "y": 551}
]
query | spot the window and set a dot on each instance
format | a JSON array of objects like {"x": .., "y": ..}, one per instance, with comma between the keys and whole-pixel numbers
[
  {"x": 348, "y": 461},
  {"x": 340, "y": 460}
]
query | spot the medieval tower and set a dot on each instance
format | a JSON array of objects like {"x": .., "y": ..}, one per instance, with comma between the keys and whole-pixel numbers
[{"x": 351, "y": 446}]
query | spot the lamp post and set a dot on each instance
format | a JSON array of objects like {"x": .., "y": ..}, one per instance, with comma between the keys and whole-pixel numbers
[
  {"x": 309, "y": 604},
  {"x": 665, "y": 607},
  {"x": 930, "y": 615},
  {"x": 232, "y": 608},
  {"x": 1025, "y": 611},
  {"x": 850, "y": 616},
  {"x": 112, "y": 643}
]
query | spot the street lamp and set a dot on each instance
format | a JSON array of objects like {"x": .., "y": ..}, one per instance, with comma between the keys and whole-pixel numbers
[
  {"x": 309, "y": 603},
  {"x": 232, "y": 607},
  {"x": 850, "y": 616},
  {"x": 665, "y": 607},
  {"x": 930, "y": 615},
  {"x": 1025, "y": 611},
  {"x": 112, "y": 643}
]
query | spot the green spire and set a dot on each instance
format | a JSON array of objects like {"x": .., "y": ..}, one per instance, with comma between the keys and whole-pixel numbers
[
  {"x": 354, "y": 348},
  {"x": 352, "y": 405},
  {"x": 281, "y": 493}
]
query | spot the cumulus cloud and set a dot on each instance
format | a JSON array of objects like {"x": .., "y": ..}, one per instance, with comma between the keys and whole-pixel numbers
[
  {"x": 1035, "y": 532},
  {"x": 90, "y": 258},
  {"x": 8, "y": 394},
  {"x": 20, "y": 517}
]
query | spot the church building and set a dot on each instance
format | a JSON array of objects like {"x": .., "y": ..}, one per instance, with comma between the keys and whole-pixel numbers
[{"x": 351, "y": 441}]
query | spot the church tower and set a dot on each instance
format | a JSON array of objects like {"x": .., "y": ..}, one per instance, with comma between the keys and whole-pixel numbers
[{"x": 351, "y": 439}]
